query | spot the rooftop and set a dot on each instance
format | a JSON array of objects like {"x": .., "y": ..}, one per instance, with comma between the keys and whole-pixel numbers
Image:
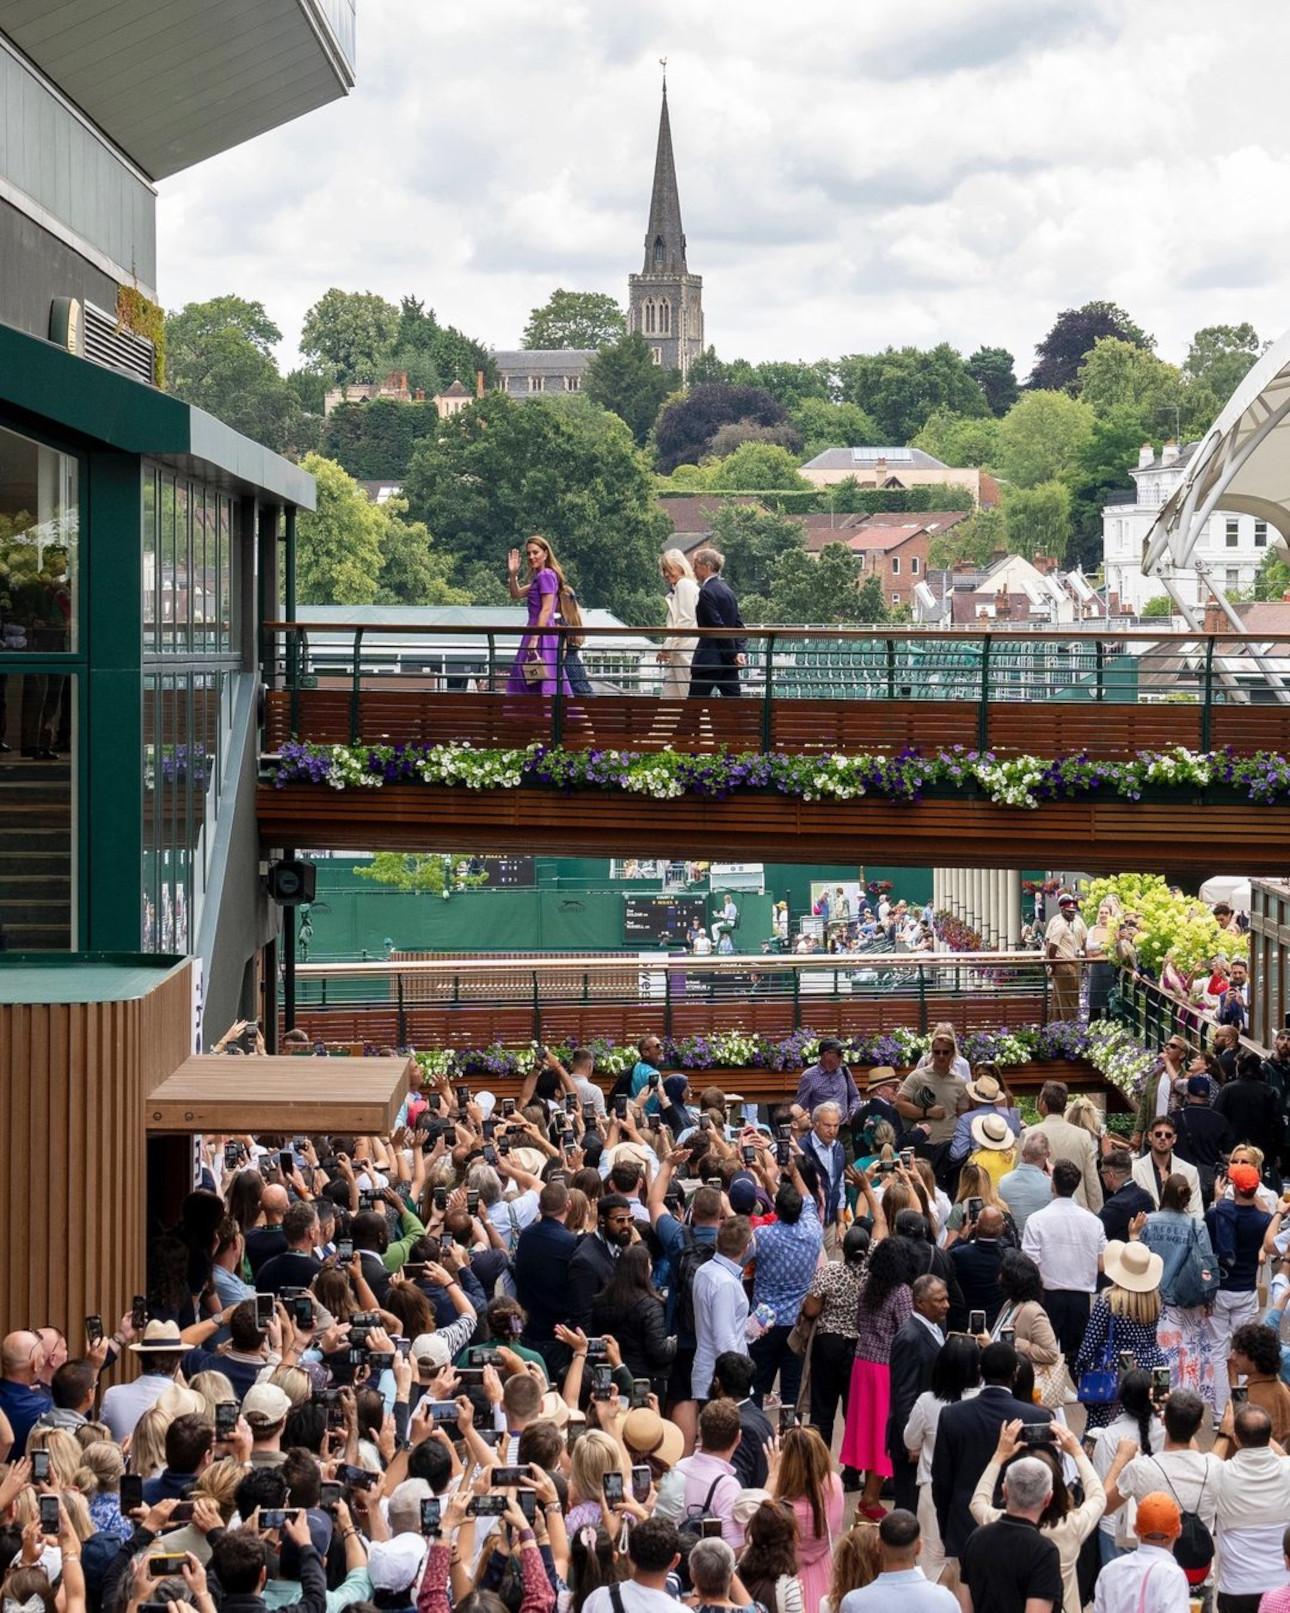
[
  {"x": 548, "y": 360},
  {"x": 81, "y": 977},
  {"x": 866, "y": 458}
]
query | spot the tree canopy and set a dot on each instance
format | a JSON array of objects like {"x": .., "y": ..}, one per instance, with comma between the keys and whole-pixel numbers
[
  {"x": 992, "y": 370},
  {"x": 624, "y": 379},
  {"x": 956, "y": 439},
  {"x": 822, "y": 424},
  {"x": 824, "y": 588},
  {"x": 758, "y": 466},
  {"x": 575, "y": 319},
  {"x": 1041, "y": 437},
  {"x": 1071, "y": 338},
  {"x": 688, "y": 422},
  {"x": 349, "y": 335},
  {"x": 901, "y": 387}
]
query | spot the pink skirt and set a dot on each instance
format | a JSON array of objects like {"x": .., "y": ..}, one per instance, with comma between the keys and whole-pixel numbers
[{"x": 864, "y": 1440}]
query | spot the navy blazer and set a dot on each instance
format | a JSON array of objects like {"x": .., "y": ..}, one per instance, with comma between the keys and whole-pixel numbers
[
  {"x": 913, "y": 1351},
  {"x": 540, "y": 1267},
  {"x": 718, "y": 607},
  {"x": 966, "y": 1438}
]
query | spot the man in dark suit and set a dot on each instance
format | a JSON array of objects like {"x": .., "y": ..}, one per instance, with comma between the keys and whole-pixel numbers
[
  {"x": 966, "y": 1438},
  {"x": 714, "y": 668},
  {"x": 732, "y": 1376},
  {"x": 1123, "y": 1199},
  {"x": 976, "y": 1259},
  {"x": 540, "y": 1267},
  {"x": 592, "y": 1262},
  {"x": 913, "y": 1351}
]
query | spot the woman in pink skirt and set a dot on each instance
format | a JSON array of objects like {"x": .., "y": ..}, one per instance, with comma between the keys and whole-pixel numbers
[{"x": 885, "y": 1304}]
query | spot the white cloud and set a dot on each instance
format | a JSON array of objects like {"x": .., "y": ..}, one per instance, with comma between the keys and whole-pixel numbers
[{"x": 850, "y": 175}]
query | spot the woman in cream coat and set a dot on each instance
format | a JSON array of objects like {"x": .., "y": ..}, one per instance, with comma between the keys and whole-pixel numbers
[{"x": 682, "y": 601}]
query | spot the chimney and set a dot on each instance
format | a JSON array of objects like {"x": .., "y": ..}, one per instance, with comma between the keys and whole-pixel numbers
[
  {"x": 419, "y": 395},
  {"x": 1285, "y": 598},
  {"x": 1215, "y": 620},
  {"x": 1112, "y": 603},
  {"x": 479, "y": 383},
  {"x": 997, "y": 555},
  {"x": 1145, "y": 455},
  {"x": 1044, "y": 564},
  {"x": 963, "y": 567},
  {"x": 1169, "y": 453},
  {"x": 1002, "y": 605}
]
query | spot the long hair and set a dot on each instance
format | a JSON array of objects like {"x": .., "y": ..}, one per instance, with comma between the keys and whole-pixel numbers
[
  {"x": 674, "y": 558},
  {"x": 1134, "y": 1307},
  {"x": 592, "y": 1563},
  {"x": 770, "y": 1550},
  {"x": 804, "y": 1469},
  {"x": 857, "y": 1560},
  {"x": 957, "y": 1368},
  {"x": 1135, "y": 1397},
  {"x": 551, "y": 563},
  {"x": 630, "y": 1282},
  {"x": 890, "y": 1267},
  {"x": 976, "y": 1182}
]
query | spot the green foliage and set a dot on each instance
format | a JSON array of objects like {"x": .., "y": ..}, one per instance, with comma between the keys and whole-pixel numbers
[
  {"x": 1273, "y": 578},
  {"x": 992, "y": 370},
  {"x": 412, "y": 572},
  {"x": 1101, "y": 469},
  {"x": 688, "y": 422},
  {"x": 483, "y": 585},
  {"x": 752, "y": 540},
  {"x": 757, "y": 465},
  {"x": 902, "y": 387},
  {"x": 145, "y": 318},
  {"x": 419, "y": 873},
  {"x": 1158, "y": 605},
  {"x": 729, "y": 437},
  {"x": 624, "y": 379},
  {"x": 338, "y": 545},
  {"x": 499, "y": 470},
  {"x": 960, "y": 440},
  {"x": 1037, "y": 520},
  {"x": 575, "y": 319},
  {"x": 1172, "y": 924},
  {"x": 1220, "y": 356},
  {"x": 309, "y": 388},
  {"x": 847, "y": 497},
  {"x": 349, "y": 335},
  {"x": 374, "y": 441},
  {"x": 822, "y": 424},
  {"x": 1074, "y": 332},
  {"x": 219, "y": 359},
  {"x": 436, "y": 355},
  {"x": 1119, "y": 374},
  {"x": 1042, "y": 437},
  {"x": 975, "y": 539},
  {"x": 788, "y": 383},
  {"x": 825, "y": 588}
]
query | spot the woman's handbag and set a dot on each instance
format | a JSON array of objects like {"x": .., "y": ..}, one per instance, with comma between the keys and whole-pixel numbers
[
  {"x": 799, "y": 1340},
  {"x": 1053, "y": 1386},
  {"x": 1100, "y": 1386},
  {"x": 533, "y": 668}
]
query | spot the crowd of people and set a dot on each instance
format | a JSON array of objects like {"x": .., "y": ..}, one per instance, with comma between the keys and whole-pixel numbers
[{"x": 606, "y": 1346}]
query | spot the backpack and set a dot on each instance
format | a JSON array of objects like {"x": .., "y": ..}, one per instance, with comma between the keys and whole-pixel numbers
[
  {"x": 1193, "y": 1284},
  {"x": 689, "y": 1531},
  {"x": 1194, "y": 1547},
  {"x": 692, "y": 1255}
]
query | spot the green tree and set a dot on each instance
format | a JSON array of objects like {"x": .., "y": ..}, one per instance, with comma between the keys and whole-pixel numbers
[
  {"x": 825, "y": 588},
  {"x": 738, "y": 432},
  {"x": 1042, "y": 436},
  {"x": 419, "y": 873},
  {"x": 310, "y": 388},
  {"x": 1117, "y": 373},
  {"x": 977, "y": 539},
  {"x": 992, "y": 370},
  {"x": 499, "y": 470},
  {"x": 412, "y": 571},
  {"x": 374, "y": 441},
  {"x": 338, "y": 545},
  {"x": 436, "y": 355},
  {"x": 1101, "y": 468},
  {"x": 483, "y": 585},
  {"x": 901, "y": 387},
  {"x": 219, "y": 358},
  {"x": 1158, "y": 605},
  {"x": 624, "y": 379},
  {"x": 822, "y": 425},
  {"x": 957, "y": 439},
  {"x": 1273, "y": 577},
  {"x": 787, "y": 382},
  {"x": 575, "y": 319},
  {"x": 871, "y": 607},
  {"x": 755, "y": 466},
  {"x": 1074, "y": 332},
  {"x": 1037, "y": 520},
  {"x": 708, "y": 369},
  {"x": 350, "y": 335},
  {"x": 1220, "y": 357},
  {"x": 752, "y": 540}
]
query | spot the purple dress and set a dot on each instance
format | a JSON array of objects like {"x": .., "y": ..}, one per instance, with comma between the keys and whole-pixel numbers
[{"x": 546, "y": 644}]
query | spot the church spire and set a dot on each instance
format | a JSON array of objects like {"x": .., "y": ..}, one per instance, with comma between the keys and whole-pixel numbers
[{"x": 664, "y": 239}]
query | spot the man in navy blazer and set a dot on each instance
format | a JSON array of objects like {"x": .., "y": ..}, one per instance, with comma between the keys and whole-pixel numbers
[
  {"x": 913, "y": 1354},
  {"x": 967, "y": 1436},
  {"x": 541, "y": 1269},
  {"x": 714, "y": 669}
]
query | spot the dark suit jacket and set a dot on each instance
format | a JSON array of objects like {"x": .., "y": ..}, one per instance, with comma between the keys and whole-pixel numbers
[
  {"x": 966, "y": 1437},
  {"x": 590, "y": 1268},
  {"x": 976, "y": 1265},
  {"x": 541, "y": 1269},
  {"x": 913, "y": 1350},
  {"x": 1123, "y": 1205},
  {"x": 717, "y": 607},
  {"x": 749, "y": 1460},
  {"x": 929, "y": 1259}
]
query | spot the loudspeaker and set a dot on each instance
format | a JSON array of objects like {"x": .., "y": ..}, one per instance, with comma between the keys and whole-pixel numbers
[{"x": 291, "y": 882}]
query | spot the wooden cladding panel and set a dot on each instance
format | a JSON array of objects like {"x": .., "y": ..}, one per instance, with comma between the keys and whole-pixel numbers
[{"x": 210, "y": 1093}]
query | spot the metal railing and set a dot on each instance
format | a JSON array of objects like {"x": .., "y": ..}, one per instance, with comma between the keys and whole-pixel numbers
[
  {"x": 790, "y": 992},
  {"x": 1154, "y": 1015},
  {"x": 1188, "y": 680}
]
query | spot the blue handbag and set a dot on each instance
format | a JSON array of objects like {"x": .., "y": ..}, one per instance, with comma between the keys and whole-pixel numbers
[{"x": 1100, "y": 1386}]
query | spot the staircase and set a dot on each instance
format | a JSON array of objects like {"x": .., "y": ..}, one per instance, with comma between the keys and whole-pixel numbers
[{"x": 35, "y": 854}]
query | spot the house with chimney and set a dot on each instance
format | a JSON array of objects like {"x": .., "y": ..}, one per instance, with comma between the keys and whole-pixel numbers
[
  {"x": 1009, "y": 589},
  {"x": 897, "y": 468}
]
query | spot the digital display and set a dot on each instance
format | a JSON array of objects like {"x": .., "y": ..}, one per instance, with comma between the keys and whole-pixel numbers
[
  {"x": 501, "y": 872},
  {"x": 666, "y": 920}
]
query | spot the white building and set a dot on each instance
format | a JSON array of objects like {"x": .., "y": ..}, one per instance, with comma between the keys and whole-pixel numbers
[{"x": 1231, "y": 548}]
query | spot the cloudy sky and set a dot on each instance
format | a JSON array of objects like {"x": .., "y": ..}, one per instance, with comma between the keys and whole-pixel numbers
[{"x": 853, "y": 173}]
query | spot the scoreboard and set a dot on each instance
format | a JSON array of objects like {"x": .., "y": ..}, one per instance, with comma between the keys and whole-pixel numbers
[{"x": 664, "y": 920}]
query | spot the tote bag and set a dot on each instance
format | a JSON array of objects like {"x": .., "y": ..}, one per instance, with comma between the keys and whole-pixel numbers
[{"x": 1100, "y": 1386}]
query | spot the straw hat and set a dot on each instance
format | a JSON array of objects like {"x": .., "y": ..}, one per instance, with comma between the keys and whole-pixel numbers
[
  {"x": 159, "y": 1335},
  {"x": 985, "y": 1089},
  {"x": 880, "y": 1076},
  {"x": 994, "y": 1132},
  {"x": 1132, "y": 1266},
  {"x": 645, "y": 1433}
]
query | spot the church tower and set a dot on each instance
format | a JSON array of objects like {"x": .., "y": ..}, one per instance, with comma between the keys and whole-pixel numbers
[{"x": 665, "y": 301}]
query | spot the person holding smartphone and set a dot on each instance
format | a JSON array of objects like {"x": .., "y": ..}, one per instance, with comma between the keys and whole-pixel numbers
[{"x": 298, "y": 1264}]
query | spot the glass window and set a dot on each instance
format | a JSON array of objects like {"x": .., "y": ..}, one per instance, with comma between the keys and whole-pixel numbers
[
  {"x": 1232, "y": 532},
  {"x": 149, "y": 560},
  {"x": 1233, "y": 574},
  {"x": 37, "y": 810},
  {"x": 895, "y": 565},
  {"x": 535, "y": 383},
  {"x": 39, "y": 525},
  {"x": 1260, "y": 534},
  {"x": 913, "y": 565}
]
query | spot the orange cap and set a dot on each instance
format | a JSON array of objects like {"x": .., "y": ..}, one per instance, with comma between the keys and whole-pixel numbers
[
  {"x": 1158, "y": 1514},
  {"x": 1244, "y": 1178}
]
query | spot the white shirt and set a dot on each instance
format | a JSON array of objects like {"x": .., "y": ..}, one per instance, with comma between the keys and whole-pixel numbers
[
  {"x": 1119, "y": 1525},
  {"x": 1194, "y": 1476},
  {"x": 511, "y": 1216},
  {"x": 1144, "y": 1581},
  {"x": 920, "y": 1431},
  {"x": 720, "y": 1318},
  {"x": 1253, "y": 1505},
  {"x": 125, "y": 1403},
  {"x": 1065, "y": 1242},
  {"x": 636, "y": 1599}
]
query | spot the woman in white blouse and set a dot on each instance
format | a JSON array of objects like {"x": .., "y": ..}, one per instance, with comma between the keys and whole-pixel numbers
[{"x": 682, "y": 601}]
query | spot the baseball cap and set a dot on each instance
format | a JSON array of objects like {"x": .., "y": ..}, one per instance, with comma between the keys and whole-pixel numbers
[
  {"x": 742, "y": 1194},
  {"x": 1158, "y": 1514},
  {"x": 1244, "y": 1178},
  {"x": 431, "y": 1347},
  {"x": 1198, "y": 1086},
  {"x": 265, "y": 1403}
]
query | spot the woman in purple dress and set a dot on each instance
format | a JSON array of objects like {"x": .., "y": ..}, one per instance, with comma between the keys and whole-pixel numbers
[{"x": 541, "y": 649}]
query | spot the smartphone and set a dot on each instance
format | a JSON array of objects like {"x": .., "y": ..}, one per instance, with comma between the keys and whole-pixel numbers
[
  {"x": 1008, "y": 1335},
  {"x": 462, "y": 1095},
  {"x": 571, "y": 1103},
  {"x": 490, "y": 1154},
  {"x": 1239, "y": 1394},
  {"x": 640, "y": 1393},
  {"x": 748, "y": 1153},
  {"x": 503, "y": 1146},
  {"x": 1036, "y": 1433},
  {"x": 182, "y": 1513},
  {"x": 263, "y": 1310},
  {"x": 596, "y": 1349},
  {"x": 381, "y": 1360},
  {"x": 330, "y": 1492},
  {"x": 1127, "y": 1360},
  {"x": 430, "y": 1514},
  {"x": 620, "y": 1107},
  {"x": 1160, "y": 1380},
  {"x": 508, "y": 1108},
  {"x": 705, "y": 1122},
  {"x": 602, "y": 1381},
  {"x": 490, "y": 1436},
  {"x": 443, "y": 1411},
  {"x": 642, "y": 1478},
  {"x": 232, "y": 1155},
  {"x": 286, "y": 1162},
  {"x": 450, "y": 1136},
  {"x": 788, "y": 1418},
  {"x": 576, "y": 1429},
  {"x": 226, "y": 1415},
  {"x": 487, "y": 1506},
  {"x": 49, "y": 1514},
  {"x": 472, "y": 1202},
  {"x": 40, "y": 1467},
  {"x": 302, "y": 1310},
  {"x": 344, "y": 1250},
  {"x": 166, "y": 1565},
  {"x": 712, "y": 1181},
  {"x": 489, "y": 1130},
  {"x": 709, "y": 1528},
  {"x": 138, "y": 1313},
  {"x": 130, "y": 1492},
  {"x": 275, "y": 1517},
  {"x": 441, "y": 1199},
  {"x": 506, "y": 1478},
  {"x": 783, "y": 1153},
  {"x": 93, "y": 1329},
  {"x": 366, "y": 1201},
  {"x": 612, "y": 1484},
  {"x": 358, "y": 1478},
  {"x": 470, "y": 1376},
  {"x": 974, "y": 1208},
  {"x": 976, "y": 1322},
  {"x": 528, "y": 1504},
  {"x": 907, "y": 1160},
  {"x": 483, "y": 1355}
]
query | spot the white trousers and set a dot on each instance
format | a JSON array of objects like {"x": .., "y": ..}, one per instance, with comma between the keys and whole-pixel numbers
[{"x": 1230, "y": 1312}]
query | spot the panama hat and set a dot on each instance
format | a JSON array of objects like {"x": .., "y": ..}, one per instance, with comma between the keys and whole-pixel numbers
[
  {"x": 985, "y": 1089},
  {"x": 159, "y": 1335},
  {"x": 645, "y": 1433},
  {"x": 1133, "y": 1266},
  {"x": 881, "y": 1075},
  {"x": 993, "y": 1131}
]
